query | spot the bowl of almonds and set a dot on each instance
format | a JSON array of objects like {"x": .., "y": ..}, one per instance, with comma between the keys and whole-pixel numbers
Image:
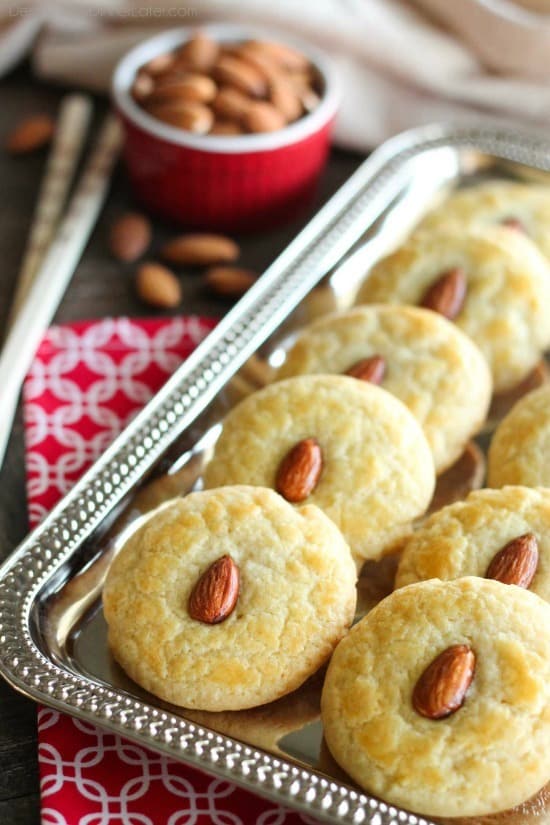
[{"x": 224, "y": 129}]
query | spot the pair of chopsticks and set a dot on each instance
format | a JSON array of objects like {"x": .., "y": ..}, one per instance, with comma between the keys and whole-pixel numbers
[{"x": 55, "y": 244}]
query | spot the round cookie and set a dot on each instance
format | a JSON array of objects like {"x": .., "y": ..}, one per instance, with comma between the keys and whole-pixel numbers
[
  {"x": 492, "y": 752},
  {"x": 430, "y": 365},
  {"x": 519, "y": 206},
  {"x": 520, "y": 448},
  {"x": 296, "y": 598},
  {"x": 505, "y": 309},
  {"x": 463, "y": 538},
  {"x": 377, "y": 469}
]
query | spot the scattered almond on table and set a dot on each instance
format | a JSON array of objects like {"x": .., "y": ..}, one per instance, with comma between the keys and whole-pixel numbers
[
  {"x": 158, "y": 286},
  {"x": 229, "y": 281},
  {"x": 204, "y": 86},
  {"x": 30, "y": 134},
  {"x": 200, "y": 249},
  {"x": 130, "y": 237}
]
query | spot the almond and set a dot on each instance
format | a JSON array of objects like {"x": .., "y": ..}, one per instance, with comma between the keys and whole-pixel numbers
[
  {"x": 447, "y": 294},
  {"x": 200, "y": 53},
  {"x": 285, "y": 98},
  {"x": 280, "y": 77},
  {"x": 300, "y": 470},
  {"x": 442, "y": 687},
  {"x": 158, "y": 286},
  {"x": 370, "y": 369},
  {"x": 143, "y": 86},
  {"x": 229, "y": 281},
  {"x": 230, "y": 103},
  {"x": 130, "y": 236},
  {"x": 261, "y": 61},
  {"x": 517, "y": 562},
  {"x": 200, "y": 250},
  {"x": 195, "y": 88},
  {"x": 304, "y": 83},
  {"x": 263, "y": 117},
  {"x": 31, "y": 134},
  {"x": 302, "y": 78},
  {"x": 245, "y": 77},
  {"x": 160, "y": 64},
  {"x": 226, "y": 127},
  {"x": 193, "y": 117},
  {"x": 282, "y": 54},
  {"x": 514, "y": 223},
  {"x": 309, "y": 99},
  {"x": 215, "y": 595}
]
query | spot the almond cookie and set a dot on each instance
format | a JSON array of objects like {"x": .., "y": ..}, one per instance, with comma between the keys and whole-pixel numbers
[
  {"x": 520, "y": 449},
  {"x": 228, "y": 599},
  {"x": 438, "y": 701},
  {"x": 423, "y": 359},
  {"x": 345, "y": 445},
  {"x": 498, "y": 534},
  {"x": 494, "y": 284},
  {"x": 517, "y": 206}
]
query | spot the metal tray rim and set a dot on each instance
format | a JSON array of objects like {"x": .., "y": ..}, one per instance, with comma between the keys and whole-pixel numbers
[{"x": 319, "y": 247}]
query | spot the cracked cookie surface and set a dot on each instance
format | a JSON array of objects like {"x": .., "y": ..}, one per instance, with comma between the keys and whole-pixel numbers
[
  {"x": 505, "y": 310},
  {"x": 430, "y": 365},
  {"x": 296, "y": 599},
  {"x": 377, "y": 475},
  {"x": 519, "y": 452},
  {"x": 494, "y": 203},
  {"x": 488, "y": 756},
  {"x": 463, "y": 538}
]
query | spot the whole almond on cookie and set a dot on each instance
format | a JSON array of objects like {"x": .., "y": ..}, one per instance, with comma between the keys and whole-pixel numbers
[
  {"x": 447, "y": 294},
  {"x": 130, "y": 236},
  {"x": 514, "y": 223},
  {"x": 215, "y": 595},
  {"x": 31, "y": 134},
  {"x": 370, "y": 369},
  {"x": 229, "y": 281},
  {"x": 158, "y": 286},
  {"x": 200, "y": 250},
  {"x": 517, "y": 562},
  {"x": 300, "y": 470},
  {"x": 442, "y": 687}
]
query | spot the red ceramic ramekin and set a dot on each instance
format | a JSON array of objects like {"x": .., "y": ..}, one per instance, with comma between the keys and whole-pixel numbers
[{"x": 237, "y": 182}]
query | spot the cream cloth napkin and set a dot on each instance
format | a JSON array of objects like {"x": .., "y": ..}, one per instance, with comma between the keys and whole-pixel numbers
[{"x": 399, "y": 64}]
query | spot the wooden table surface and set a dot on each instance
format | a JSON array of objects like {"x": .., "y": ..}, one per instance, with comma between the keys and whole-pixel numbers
[{"x": 100, "y": 287}]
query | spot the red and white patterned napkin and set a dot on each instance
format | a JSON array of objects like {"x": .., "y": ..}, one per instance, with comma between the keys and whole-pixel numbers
[{"x": 86, "y": 383}]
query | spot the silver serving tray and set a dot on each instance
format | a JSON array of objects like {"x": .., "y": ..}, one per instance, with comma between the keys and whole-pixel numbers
[{"x": 52, "y": 633}]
